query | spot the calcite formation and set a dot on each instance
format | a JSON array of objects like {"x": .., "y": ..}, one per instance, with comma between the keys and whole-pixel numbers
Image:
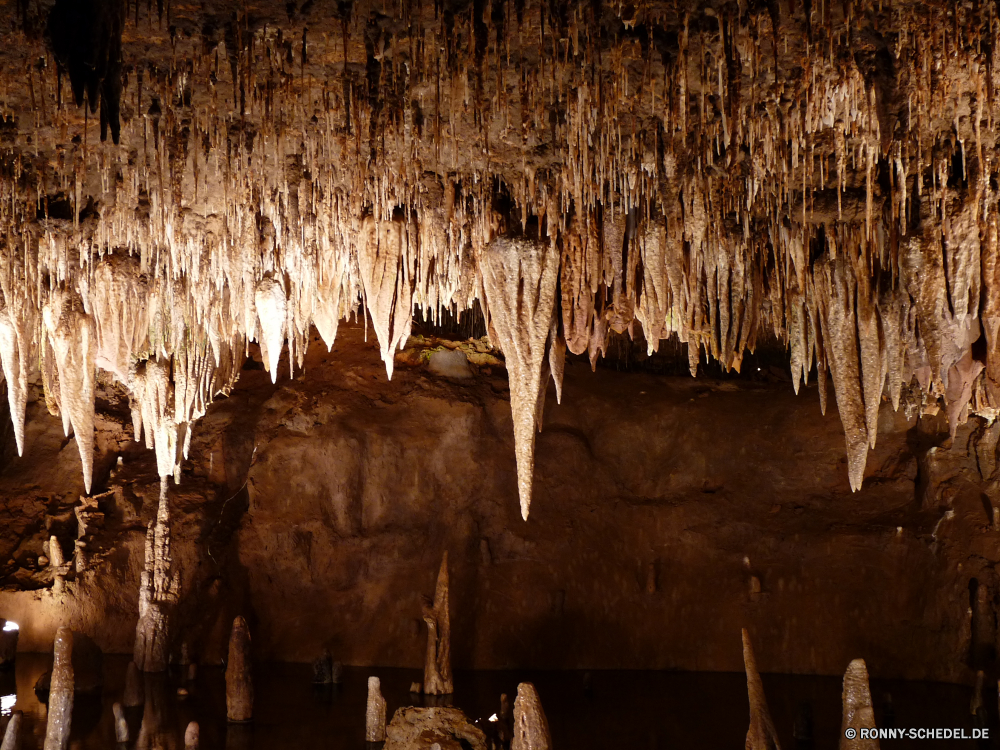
[
  {"x": 414, "y": 728},
  {"x": 60, "y": 706},
  {"x": 375, "y": 713},
  {"x": 239, "y": 674},
  {"x": 858, "y": 710},
  {"x": 531, "y": 728},
  {"x": 12, "y": 734},
  {"x": 437, "y": 616},
  {"x": 823, "y": 174},
  {"x": 159, "y": 589},
  {"x": 761, "y": 735}
]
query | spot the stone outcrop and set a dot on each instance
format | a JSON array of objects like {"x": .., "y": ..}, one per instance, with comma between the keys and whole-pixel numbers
[
  {"x": 416, "y": 728},
  {"x": 437, "y": 616}
]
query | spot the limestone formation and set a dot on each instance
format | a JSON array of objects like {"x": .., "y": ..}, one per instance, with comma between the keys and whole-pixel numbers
[
  {"x": 60, "y": 707},
  {"x": 858, "y": 710},
  {"x": 414, "y": 728},
  {"x": 57, "y": 565},
  {"x": 9, "y": 632},
  {"x": 191, "y": 735},
  {"x": 159, "y": 589},
  {"x": 375, "y": 714},
  {"x": 12, "y": 735},
  {"x": 531, "y": 728},
  {"x": 121, "y": 725},
  {"x": 239, "y": 677},
  {"x": 519, "y": 279},
  {"x": 134, "y": 689},
  {"x": 818, "y": 192},
  {"x": 761, "y": 735},
  {"x": 437, "y": 666}
]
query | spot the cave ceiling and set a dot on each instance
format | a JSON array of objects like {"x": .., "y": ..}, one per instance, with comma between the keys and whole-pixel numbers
[{"x": 180, "y": 179}]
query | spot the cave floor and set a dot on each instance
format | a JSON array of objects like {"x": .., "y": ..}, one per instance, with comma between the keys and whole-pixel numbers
[{"x": 622, "y": 709}]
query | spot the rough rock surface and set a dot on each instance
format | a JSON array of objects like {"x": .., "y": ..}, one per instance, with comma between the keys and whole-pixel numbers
[
  {"x": 416, "y": 728},
  {"x": 60, "y": 704},
  {"x": 761, "y": 735},
  {"x": 340, "y": 482},
  {"x": 531, "y": 728},
  {"x": 858, "y": 710},
  {"x": 239, "y": 674}
]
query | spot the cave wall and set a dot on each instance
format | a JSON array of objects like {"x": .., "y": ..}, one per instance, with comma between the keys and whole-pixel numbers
[{"x": 320, "y": 507}]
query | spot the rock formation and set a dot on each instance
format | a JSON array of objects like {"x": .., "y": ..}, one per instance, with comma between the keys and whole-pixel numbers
[
  {"x": 761, "y": 735},
  {"x": 12, "y": 735},
  {"x": 159, "y": 589},
  {"x": 57, "y": 565},
  {"x": 239, "y": 675},
  {"x": 60, "y": 706},
  {"x": 858, "y": 710},
  {"x": 437, "y": 666},
  {"x": 375, "y": 713},
  {"x": 191, "y": 734},
  {"x": 531, "y": 728},
  {"x": 121, "y": 725},
  {"x": 414, "y": 728},
  {"x": 828, "y": 192}
]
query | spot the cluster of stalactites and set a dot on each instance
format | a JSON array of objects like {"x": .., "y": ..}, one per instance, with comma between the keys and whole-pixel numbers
[{"x": 573, "y": 178}]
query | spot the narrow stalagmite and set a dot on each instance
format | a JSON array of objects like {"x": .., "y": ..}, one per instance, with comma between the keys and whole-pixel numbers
[
  {"x": 57, "y": 565},
  {"x": 858, "y": 711},
  {"x": 761, "y": 735},
  {"x": 60, "y": 692},
  {"x": 375, "y": 715},
  {"x": 12, "y": 735},
  {"x": 191, "y": 736},
  {"x": 135, "y": 694},
  {"x": 159, "y": 589},
  {"x": 121, "y": 725},
  {"x": 519, "y": 278},
  {"x": 437, "y": 668},
  {"x": 239, "y": 679},
  {"x": 531, "y": 728}
]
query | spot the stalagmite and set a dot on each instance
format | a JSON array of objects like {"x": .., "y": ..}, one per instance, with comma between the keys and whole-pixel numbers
[
  {"x": 12, "y": 735},
  {"x": 60, "y": 692},
  {"x": 531, "y": 728},
  {"x": 58, "y": 566},
  {"x": 159, "y": 589},
  {"x": 761, "y": 735},
  {"x": 519, "y": 278},
  {"x": 858, "y": 710},
  {"x": 121, "y": 725},
  {"x": 239, "y": 677},
  {"x": 191, "y": 736},
  {"x": 437, "y": 667},
  {"x": 375, "y": 714}
]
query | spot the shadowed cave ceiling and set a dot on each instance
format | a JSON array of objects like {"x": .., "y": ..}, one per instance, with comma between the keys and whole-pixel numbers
[{"x": 178, "y": 180}]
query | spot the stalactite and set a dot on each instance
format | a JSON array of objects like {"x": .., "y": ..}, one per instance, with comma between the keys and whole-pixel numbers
[{"x": 519, "y": 278}]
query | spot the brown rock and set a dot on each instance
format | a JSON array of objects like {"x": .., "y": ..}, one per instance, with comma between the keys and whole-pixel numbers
[
  {"x": 12, "y": 735},
  {"x": 761, "y": 735},
  {"x": 60, "y": 710},
  {"x": 414, "y": 728},
  {"x": 437, "y": 667},
  {"x": 375, "y": 715},
  {"x": 858, "y": 711},
  {"x": 239, "y": 677},
  {"x": 531, "y": 728}
]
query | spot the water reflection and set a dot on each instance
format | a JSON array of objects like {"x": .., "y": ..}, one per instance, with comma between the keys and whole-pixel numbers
[{"x": 635, "y": 710}]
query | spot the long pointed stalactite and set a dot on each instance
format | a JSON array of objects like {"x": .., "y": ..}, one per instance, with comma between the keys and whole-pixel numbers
[{"x": 575, "y": 168}]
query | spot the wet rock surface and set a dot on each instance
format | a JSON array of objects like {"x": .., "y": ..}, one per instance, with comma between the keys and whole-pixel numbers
[{"x": 417, "y": 728}]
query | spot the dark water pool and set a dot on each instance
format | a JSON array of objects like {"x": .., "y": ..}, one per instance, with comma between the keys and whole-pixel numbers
[{"x": 635, "y": 710}]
